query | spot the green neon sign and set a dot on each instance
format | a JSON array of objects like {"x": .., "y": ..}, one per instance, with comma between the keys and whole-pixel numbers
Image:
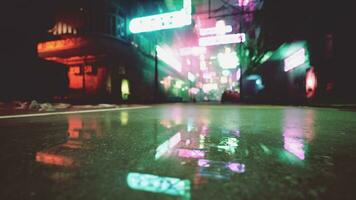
[
  {"x": 163, "y": 21},
  {"x": 158, "y": 184}
]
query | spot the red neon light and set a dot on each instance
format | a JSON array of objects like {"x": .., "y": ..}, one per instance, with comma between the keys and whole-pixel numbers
[
  {"x": 73, "y": 144},
  {"x": 74, "y": 126},
  {"x": 311, "y": 83},
  {"x": 56, "y": 45},
  {"x": 75, "y": 78},
  {"x": 53, "y": 159},
  {"x": 93, "y": 82},
  {"x": 74, "y": 60}
]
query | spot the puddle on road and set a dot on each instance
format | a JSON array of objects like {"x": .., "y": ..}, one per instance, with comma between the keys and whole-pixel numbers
[{"x": 203, "y": 153}]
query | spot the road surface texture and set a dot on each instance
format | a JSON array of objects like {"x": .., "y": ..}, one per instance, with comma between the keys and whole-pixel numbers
[{"x": 181, "y": 151}]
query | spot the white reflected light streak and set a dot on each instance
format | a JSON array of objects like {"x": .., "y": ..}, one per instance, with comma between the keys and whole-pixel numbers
[
  {"x": 167, "y": 56},
  {"x": 293, "y": 134},
  {"x": 168, "y": 145}
]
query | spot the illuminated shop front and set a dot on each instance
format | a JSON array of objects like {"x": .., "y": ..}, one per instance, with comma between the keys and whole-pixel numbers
[
  {"x": 91, "y": 49},
  {"x": 105, "y": 59}
]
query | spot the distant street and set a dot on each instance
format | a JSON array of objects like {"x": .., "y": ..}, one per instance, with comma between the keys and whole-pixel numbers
[{"x": 181, "y": 151}]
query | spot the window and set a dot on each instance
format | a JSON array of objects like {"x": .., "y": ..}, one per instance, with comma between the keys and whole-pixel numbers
[
  {"x": 120, "y": 26},
  {"x": 110, "y": 25}
]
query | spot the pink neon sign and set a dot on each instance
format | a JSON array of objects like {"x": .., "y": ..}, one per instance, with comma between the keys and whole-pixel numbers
[
  {"x": 219, "y": 29},
  {"x": 222, "y": 39}
]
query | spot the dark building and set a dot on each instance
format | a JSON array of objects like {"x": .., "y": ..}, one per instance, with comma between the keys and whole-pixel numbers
[
  {"x": 324, "y": 27},
  {"x": 103, "y": 60}
]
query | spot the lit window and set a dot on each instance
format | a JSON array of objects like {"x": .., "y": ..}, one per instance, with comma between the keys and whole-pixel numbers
[
  {"x": 59, "y": 28},
  {"x": 64, "y": 28},
  {"x": 69, "y": 29}
]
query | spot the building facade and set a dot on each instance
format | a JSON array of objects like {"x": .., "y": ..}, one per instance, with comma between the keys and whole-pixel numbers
[{"x": 103, "y": 60}]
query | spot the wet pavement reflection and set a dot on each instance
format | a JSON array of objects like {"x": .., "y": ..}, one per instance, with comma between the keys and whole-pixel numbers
[{"x": 182, "y": 152}]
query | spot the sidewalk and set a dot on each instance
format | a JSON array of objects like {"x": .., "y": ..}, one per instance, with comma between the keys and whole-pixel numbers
[
  {"x": 349, "y": 107},
  {"x": 28, "y": 108}
]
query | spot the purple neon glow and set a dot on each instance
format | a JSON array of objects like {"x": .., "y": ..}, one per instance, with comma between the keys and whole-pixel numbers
[
  {"x": 236, "y": 167},
  {"x": 236, "y": 133},
  {"x": 191, "y": 153},
  {"x": 293, "y": 134},
  {"x": 204, "y": 130},
  {"x": 232, "y": 166},
  {"x": 203, "y": 163},
  {"x": 294, "y": 146},
  {"x": 243, "y": 2},
  {"x": 238, "y": 74},
  {"x": 194, "y": 90}
]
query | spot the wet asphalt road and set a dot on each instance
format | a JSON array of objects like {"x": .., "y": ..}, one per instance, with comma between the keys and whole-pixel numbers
[{"x": 181, "y": 151}]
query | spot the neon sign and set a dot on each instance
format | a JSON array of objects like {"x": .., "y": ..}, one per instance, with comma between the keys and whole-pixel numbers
[
  {"x": 295, "y": 60},
  {"x": 238, "y": 74},
  {"x": 228, "y": 59},
  {"x": 191, "y": 77},
  {"x": 229, "y": 145},
  {"x": 57, "y": 45},
  {"x": 75, "y": 60},
  {"x": 158, "y": 184},
  {"x": 196, "y": 51},
  {"x": 191, "y": 153},
  {"x": 233, "y": 166},
  {"x": 202, "y": 63},
  {"x": 223, "y": 80},
  {"x": 53, "y": 159},
  {"x": 219, "y": 169},
  {"x": 219, "y": 29},
  {"x": 209, "y": 87},
  {"x": 222, "y": 39},
  {"x": 243, "y": 2},
  {"x": 163, "y": 21},
  {"x": 167, "y": 56}
]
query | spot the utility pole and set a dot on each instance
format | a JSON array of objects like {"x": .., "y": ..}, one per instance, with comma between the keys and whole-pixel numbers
[
  {"x": 241, "y": 54},
  {"x": 155, "y": 86}
]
